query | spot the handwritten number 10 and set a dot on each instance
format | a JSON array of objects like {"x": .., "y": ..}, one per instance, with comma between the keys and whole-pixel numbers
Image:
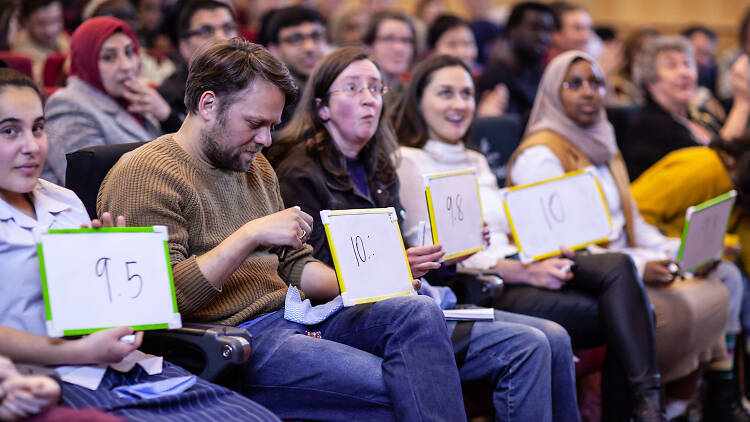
[
  {"x": 554, "y": 206},
  {"x": 453, "y": 206},
  {"x": 359, "y": 255},
  {"x": 102, "y": 270}
]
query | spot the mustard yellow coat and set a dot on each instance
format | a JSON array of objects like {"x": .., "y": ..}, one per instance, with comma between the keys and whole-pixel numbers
[{"x": 683, "y": 178}]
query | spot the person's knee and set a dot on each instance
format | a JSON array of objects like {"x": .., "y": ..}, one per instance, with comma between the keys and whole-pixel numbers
[
  {"x": 536, "y": 343},
  {"x": 621, "y": 269},
  {"x": 731, "y": 276},
  {"x": 558, "y": 338},
  {"x": 421, "y": 308}
]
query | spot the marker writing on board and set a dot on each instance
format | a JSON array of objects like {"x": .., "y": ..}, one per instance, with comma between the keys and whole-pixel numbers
[
  {"x": 130, "y": 339},
  {"x": 420, "y": 233}
]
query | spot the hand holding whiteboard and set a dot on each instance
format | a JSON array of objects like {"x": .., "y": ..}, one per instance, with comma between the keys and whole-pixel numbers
[
  {"x": 703, "y": 234},
  {"x": 455, "y": 212},
  {"x": 565, "y": 211},
  {"x": 368, "y": 253},
  {"x": 93, "y": 279}
]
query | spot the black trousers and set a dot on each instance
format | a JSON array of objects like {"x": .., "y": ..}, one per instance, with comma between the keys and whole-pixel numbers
[{"x": 604, "y": 304}]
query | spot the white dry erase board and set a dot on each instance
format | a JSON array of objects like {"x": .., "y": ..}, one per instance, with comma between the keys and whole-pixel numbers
[
  {"x": 455, "y": 212},
  {"x": 109, "y": 277},
  {"x": 569, "y": 211},
  {"x": 703, "y": 234},
  {"x": 368, "y": 253}
]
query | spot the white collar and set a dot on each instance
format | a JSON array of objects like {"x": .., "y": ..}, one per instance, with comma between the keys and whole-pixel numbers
[
  {"x": 44, "y": 204},
  {"x": 446, "y": 152}
]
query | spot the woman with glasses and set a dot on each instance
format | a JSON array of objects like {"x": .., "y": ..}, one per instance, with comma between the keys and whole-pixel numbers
[
  {"x": 677, "y": 113},
  {"x": 568, "y": 131},
  {"x": 600, "y": 302},
  {"x": 102, "y": 103},
  {"x": 339, "y": 150}
]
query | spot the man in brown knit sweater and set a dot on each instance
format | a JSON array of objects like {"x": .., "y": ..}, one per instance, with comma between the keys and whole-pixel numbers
[{"x": 220, "y": 200}]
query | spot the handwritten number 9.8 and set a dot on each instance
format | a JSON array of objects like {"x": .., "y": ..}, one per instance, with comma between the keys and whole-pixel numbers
[
  {"x": 102, "y": 270},
  {"x": 453, "y": 206},
  {"x": 358, "y": 247}
]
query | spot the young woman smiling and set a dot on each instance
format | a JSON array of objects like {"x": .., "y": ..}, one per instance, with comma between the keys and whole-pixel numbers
[{"x": 600, "y": 302}]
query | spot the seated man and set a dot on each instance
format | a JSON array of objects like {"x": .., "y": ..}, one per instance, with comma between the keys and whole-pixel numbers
[
  {"x": 199, "y": 22},
  {"x": 220, "y": 200},
  {"x": 297, "y": 36},
  {"x": 520, "y": 68},
  {"x": 29, "y": 205}
]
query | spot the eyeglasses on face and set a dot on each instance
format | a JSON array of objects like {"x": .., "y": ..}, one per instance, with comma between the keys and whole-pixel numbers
[
  {"x": 299, "y": 38},
  {"x": 352, "y": 90},
  {"x": 575, "y": 84},
  {"x": 207, "y": 31}
]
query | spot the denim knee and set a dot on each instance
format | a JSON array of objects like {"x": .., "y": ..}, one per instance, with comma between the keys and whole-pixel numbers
[
  {"x": 421, "y": 309},
  {"x": 558, "y": 338}
]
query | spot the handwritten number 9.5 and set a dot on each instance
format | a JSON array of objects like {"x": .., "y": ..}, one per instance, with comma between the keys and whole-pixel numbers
[
  {"x": 102, "y": 270},
  {"x": 358, "y": 247},
  {"x": 453, "y": 206}
]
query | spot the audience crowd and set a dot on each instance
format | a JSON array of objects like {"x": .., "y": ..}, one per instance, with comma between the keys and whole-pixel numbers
[{"x": 250, "y": 118}]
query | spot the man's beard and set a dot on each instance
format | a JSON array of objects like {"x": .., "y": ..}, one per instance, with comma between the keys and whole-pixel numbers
[{"x": 221, "y": 157}]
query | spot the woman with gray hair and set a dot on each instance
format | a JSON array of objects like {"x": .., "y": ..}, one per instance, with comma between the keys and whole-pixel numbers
[{"x": 674, "y": 116}]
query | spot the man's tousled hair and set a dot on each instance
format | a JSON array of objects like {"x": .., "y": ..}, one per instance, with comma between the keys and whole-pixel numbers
[{"x": 228, "y": 67}]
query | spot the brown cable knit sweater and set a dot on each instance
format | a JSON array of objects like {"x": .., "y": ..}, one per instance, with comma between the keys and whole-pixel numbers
[{"x": 160, "y": 184}]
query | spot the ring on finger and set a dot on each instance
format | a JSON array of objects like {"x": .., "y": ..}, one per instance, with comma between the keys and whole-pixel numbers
[{"x": 302, "y": 236}]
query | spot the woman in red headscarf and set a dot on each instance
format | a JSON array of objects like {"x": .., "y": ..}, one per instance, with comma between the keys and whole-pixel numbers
[{"x": 103, "y": 103}]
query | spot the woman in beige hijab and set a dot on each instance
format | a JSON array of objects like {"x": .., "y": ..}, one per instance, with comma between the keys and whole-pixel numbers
[{"x": 567, "y": 131}]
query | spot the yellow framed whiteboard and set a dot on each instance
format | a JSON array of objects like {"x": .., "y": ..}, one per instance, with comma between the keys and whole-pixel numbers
[
  {"x": 368, "y": 254},
  {"x": 570, "y": 210},
  {"x": 455, "y": 212}
]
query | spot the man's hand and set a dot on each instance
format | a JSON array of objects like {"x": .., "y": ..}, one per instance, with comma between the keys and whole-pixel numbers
[
  {"x": 105, "y": 346},
  {"x": 291, "y": 227},
  {"x": 106, "y": 221},
  {"x": 422, "y": 259},
  {"x": 26, "y": 396},
  {"x": 550, "y": 273},
  {"x": 657, "y": 273},
  {"x": 145, "y": 100}
]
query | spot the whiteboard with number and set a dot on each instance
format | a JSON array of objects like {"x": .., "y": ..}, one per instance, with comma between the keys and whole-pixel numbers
[
  {"x": 455, "y": 212},
  {"x": 368, "y": 253},
  {"x": 109, "y": 277},
  {"x": 568, "y": 211},
  {"x": 703, "y": 234}
]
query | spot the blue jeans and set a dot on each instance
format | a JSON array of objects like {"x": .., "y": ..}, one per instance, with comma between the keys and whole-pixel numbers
[
  {"x": 390, "y": 360},
  {"x": 528, "y": 360}
]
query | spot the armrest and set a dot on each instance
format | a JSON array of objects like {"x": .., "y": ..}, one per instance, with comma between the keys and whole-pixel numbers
[
  {"x": 206, "y": 349},
  {"x": 477, "y": 287}
]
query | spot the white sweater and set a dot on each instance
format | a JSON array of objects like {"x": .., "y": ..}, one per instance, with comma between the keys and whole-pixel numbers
[{"x": 437, "y": 157}]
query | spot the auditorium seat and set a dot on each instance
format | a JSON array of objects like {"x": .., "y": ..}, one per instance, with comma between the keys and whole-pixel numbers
[{"x": 19, "y": 62}]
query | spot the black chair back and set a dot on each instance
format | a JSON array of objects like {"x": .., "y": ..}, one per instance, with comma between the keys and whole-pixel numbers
[
  {"x": 496, "y": 138},
  {"x": 87, "y": 168}
]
